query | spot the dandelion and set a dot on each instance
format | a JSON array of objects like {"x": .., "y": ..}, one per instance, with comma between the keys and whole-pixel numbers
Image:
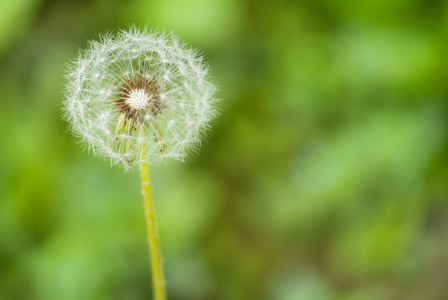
[
  {"x": 140, "y": 96},
  {"x": 136, "y": 98}
]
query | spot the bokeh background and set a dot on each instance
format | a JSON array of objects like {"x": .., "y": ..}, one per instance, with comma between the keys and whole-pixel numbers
[{"x": 325, "y": 177}]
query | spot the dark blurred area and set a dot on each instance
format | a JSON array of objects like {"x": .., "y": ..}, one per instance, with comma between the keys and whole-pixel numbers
[{"x": 325, "y": 176}]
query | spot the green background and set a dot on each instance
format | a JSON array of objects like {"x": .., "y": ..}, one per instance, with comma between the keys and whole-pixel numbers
[{"x": 325, "y": 176}]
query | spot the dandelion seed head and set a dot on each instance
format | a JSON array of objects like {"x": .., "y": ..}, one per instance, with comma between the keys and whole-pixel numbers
[{"x": 138, "y": 96}]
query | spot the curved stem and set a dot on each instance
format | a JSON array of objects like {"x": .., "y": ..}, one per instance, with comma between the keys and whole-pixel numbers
[{"x": 158, "y": 279}]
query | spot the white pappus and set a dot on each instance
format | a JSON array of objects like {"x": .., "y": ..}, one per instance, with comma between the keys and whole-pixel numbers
[{"x": 139, "y": 95}]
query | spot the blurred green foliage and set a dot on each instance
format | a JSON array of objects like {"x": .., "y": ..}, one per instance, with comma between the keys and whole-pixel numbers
[{"x": 325, "y": 177}]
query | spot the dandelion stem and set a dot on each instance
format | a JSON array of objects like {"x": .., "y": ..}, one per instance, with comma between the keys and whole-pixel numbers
[{"x": 158, "y": 280}]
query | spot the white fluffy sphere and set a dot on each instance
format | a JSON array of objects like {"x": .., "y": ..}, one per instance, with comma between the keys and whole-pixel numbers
[{"x": 139, "y": 96}]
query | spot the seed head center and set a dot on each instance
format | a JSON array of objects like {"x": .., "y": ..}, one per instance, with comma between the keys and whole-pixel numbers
[{"x": 138, "y": 99}]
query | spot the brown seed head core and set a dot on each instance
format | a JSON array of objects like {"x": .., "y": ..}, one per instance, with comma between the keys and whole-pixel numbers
[{"x": 139, "y": 97}]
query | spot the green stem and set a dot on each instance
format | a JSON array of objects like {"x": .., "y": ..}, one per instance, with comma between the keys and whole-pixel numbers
[{"x": 158, "y": 280}]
